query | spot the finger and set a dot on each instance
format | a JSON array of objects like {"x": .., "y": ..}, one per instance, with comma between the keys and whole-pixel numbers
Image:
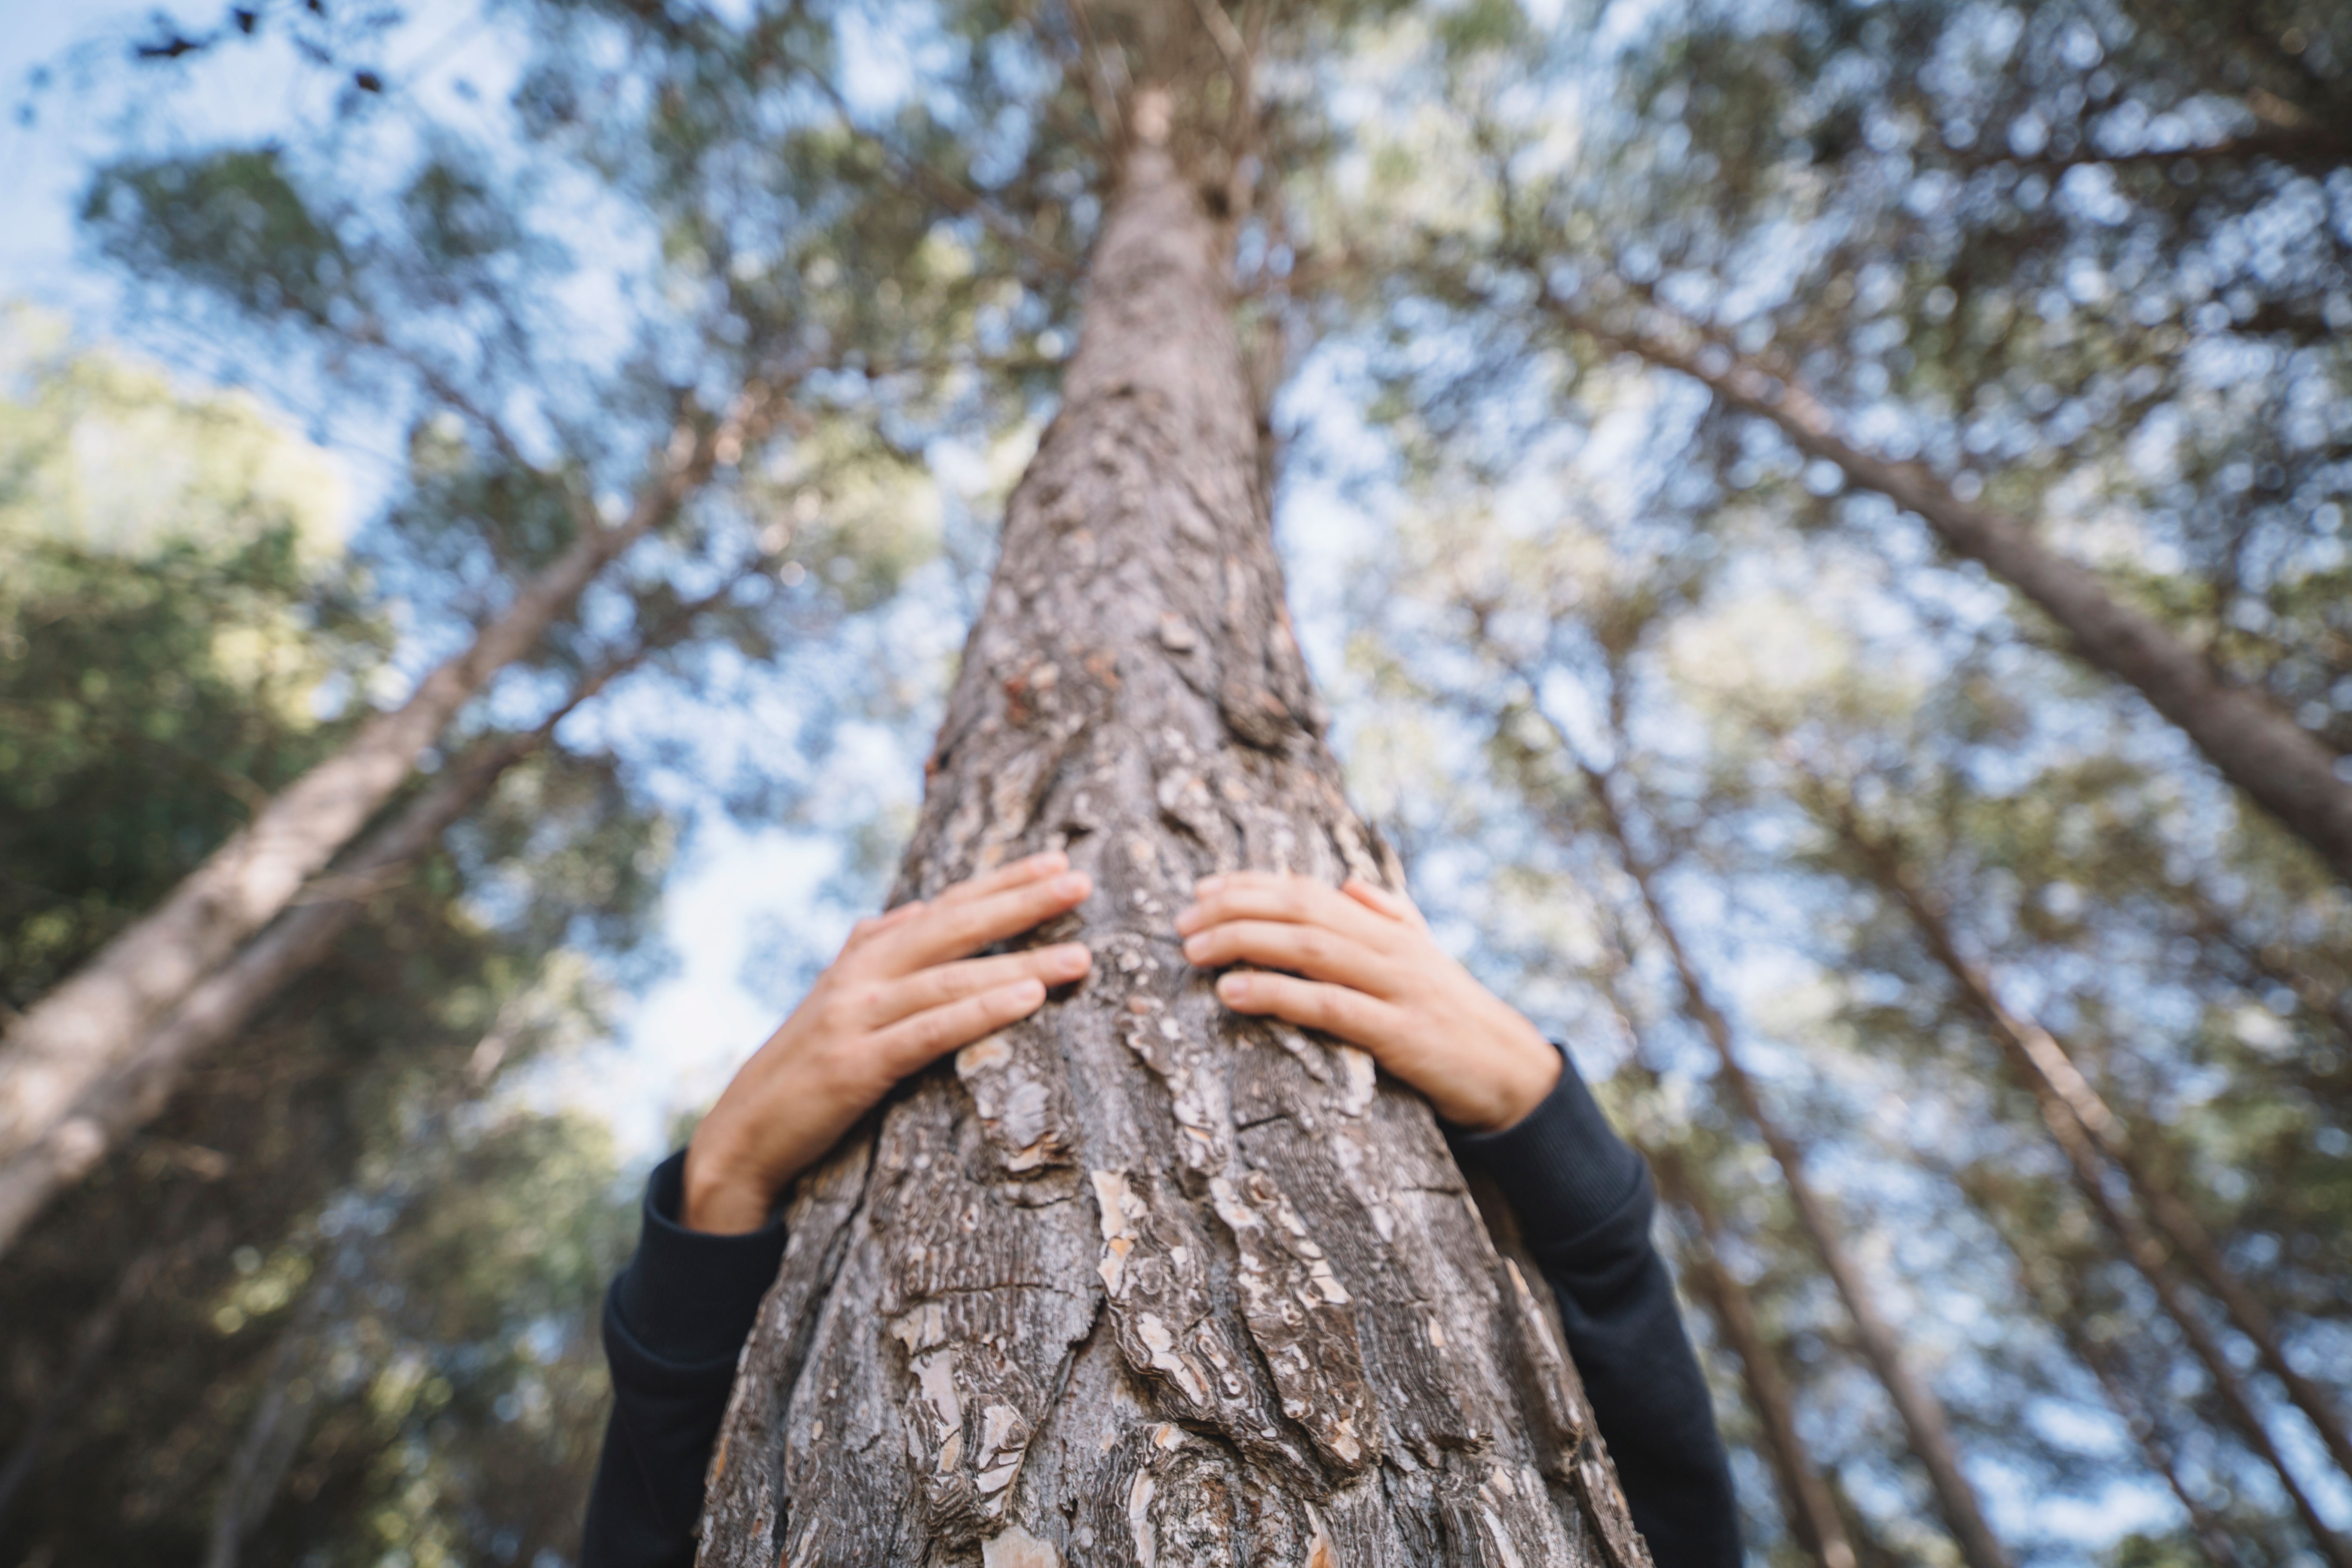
[
  {"x": 1396, "y": 905},
  {"x": 955, "y": 930},
  {"x": 1029, "y": 869},
  {"x": 917, "y": 1042},
  {"x": 1350, "y": 1016},
  {"x": 893, "y": 1000},
  {"x": 871, "y": 926},
  {"x": 1316, "y": 952},
  {"x": 1256, "y": 895}
]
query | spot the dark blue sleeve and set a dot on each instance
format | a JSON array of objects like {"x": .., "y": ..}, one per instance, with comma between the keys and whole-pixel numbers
[
  {"x": 674, "y": 1323},
  {"x": 1584, "y": 1203}
]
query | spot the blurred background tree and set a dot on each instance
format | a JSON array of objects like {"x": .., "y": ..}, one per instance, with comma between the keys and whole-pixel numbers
[{"x": 1655, "y": 373}]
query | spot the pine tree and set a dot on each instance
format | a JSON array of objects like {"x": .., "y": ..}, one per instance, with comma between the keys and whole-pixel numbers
[{"x": 1141, "y": 1282}]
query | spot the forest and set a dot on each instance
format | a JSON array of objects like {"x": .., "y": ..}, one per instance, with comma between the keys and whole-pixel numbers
[{"x": 1811, "y": 535}]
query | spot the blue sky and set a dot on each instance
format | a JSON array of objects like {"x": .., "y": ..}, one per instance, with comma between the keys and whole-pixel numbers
[{"x": 744, "y": 899}]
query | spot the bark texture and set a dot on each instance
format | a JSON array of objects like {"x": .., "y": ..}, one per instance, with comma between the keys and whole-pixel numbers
[
  {"x": 1139, "y": 1282},
  {"x": 92, "y": 1024},
  {"x": 2280, "y": 766}
]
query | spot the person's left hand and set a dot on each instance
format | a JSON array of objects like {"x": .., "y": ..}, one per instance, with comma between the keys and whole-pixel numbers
[{"x": 1363, "y": 966}]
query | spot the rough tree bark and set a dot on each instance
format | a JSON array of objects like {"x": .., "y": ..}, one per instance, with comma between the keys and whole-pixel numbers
[
  {"x": 91, "y": 1024},
  {"x": 2280, "y": 766},
  {"x": 1139, "y": 1282}
]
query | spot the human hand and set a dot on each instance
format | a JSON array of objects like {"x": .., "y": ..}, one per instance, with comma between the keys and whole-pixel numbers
[
  {"x": 902, "y": 993},
  {"x": 1364, "y": 967}
]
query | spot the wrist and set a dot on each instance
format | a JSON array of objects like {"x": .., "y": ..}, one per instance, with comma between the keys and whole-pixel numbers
[
  {"x": 1529, "y": 1069},
  {"x": 719, "y": 1195}
]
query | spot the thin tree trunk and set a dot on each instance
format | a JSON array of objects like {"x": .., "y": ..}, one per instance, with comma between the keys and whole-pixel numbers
[
  {"x": 94, "y": 1021},
  {"x": 137, "y": 1090},
  {"x": 1806, "y": 1502},
  {"x": 2286, "y": 769},
  {"x": 2213, "y": 1535},
  {"x": 280, "y": 1420},
  {"x": 2147, "y": 1256},
  {"x": 2087, "y": 1128},
  {"x": 1921, "y": 1413},
  {"x": 1142, "y": 1283},
  {"x": 1805, "y": 1498},
  {"x": 2033, "y": 1275}
]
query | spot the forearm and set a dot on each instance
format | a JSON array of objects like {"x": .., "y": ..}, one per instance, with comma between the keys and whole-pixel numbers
[
  {"x": 1584, "y": 1204},
  {"x": 674, "y": 1323}
]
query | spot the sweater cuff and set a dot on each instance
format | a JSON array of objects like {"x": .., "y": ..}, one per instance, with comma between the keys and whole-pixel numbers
[
  {"x": 689, "y": 1297},
  {"x": 1562, "y": 1167}
]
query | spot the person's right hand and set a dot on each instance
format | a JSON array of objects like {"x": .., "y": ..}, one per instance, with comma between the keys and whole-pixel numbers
[{"x": 902, "y": 993}]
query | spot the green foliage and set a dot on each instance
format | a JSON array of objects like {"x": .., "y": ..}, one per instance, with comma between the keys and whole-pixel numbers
[
  {"x": 231, "y": 222},
  {"x": 173, "y": 609},
  {"x": 2085, "y": 259},
  {"x": 173, "y": 638}
]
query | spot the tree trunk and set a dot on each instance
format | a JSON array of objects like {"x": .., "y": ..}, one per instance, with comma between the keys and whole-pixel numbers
[
  {"x": 119, "y": 1101},
  {"x": 2034, "y": 1282},
  {"x": 1916, "y": 1405},
  {"x": 2283, "y": 768},
  {"x": 1806, "y": 1502},
  {"x": 2085, "y": 1129},
  {"x": 2075, "y": 1116},
  {"x": 1922, "y": 1414},
  {"x": 137, "y": 1090},
  {"x": 1805, "y": 1498},
  {"x": 94, "y": 1021},
  {"x": 1141, "y": 1282}
]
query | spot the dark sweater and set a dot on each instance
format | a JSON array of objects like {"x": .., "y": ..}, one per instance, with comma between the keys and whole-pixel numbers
[{"x": 676, "y": 1320}]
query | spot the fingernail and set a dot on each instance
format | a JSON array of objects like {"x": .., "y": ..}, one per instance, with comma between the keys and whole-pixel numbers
[
  {"x": 1186, "y": 919},
  {"x": 1234, "y": 987},
  {"x": 1033, "y": 992},
  {"x": 1071, "y": 885},
  {"x": 1194, "y": 947},
  {"x": 1046, "y": 856},
  {"x": 1208, "y": 885},
  {"x": 1072, "y": 958}
]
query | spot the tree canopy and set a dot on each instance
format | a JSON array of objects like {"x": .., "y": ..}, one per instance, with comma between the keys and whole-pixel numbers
[{"x": 1822, "y": 525}]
